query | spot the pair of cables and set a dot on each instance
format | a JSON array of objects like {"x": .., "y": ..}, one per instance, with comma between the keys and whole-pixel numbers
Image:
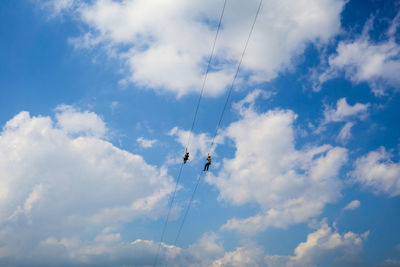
[
  {"x": 216, "y": 130},
  {"x": 191, "y": 130}
]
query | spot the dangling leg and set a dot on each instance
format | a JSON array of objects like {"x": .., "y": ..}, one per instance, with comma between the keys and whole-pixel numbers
[{"x": 206, "y": 166}]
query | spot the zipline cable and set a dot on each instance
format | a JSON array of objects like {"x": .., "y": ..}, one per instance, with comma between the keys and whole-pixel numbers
[
  {"x": 206, "y": 74},
  {"x": 167, "y": 218},
  {"x": 186, "y": 212},
  {"x": 219, "y": 122},
  {"x": 191, "y": 130},
  {"x": 187, "y": 209},
  {"x": 234, "y": 78}
]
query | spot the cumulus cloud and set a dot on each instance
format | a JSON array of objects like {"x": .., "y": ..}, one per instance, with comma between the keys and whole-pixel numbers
[
  {"x": 377, "y": 172},
  {"x": 318, "y": 245},
  {"x": 353, "y": 205},
  {"x": 166, "y": 44},
  {"x": 60, "y": 180},
  {"x": 72, "y": 121},
  {"x": 251, "y": 256},
  {"x": 146, "y": 143},
  {"x": 207, "y": 248},
  {"x": 109, "y": 249},
  {"x": 343, "y": 112},
  {"x": 288, "y": 184},
  {"x": 363, "y": 60}
]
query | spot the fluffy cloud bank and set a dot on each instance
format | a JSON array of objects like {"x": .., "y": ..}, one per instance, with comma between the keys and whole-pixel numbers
[
  {"x": 60, "y": 180},
  {"x": 166, "y": 44},
  {"x": 290, "y": 185},
  {"x": 108, "y": 249},
  {"x": 319, "y": 244}
]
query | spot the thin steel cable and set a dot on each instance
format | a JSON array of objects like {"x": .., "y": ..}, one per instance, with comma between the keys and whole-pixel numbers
[
  {"x": 169, "y": 212},
  {"x": 186, "y": 212},
  {"x": 219, "y": 122},
  {"x": 234, "y": 78},
  {"x": 206, "y": 74},
  {"x": 188, "y": 208},
  {"x": 191, "y": 129}
]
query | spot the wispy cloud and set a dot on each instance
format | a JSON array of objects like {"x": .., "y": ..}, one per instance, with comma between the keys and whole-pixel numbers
[
  {"x": 364, "y": 60},
  {"x": 353, "y": 205},
  {"x": 146, "y": 143},
  {"x": 343, "y": 112}
]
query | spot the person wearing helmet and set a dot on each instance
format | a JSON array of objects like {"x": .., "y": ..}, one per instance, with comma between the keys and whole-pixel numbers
[
  {"x": 186, "y": 157},
  {"x": 208, "y": 163}
]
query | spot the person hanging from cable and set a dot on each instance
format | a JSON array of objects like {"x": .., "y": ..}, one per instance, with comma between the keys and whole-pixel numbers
[
  {"x": 208, "y": 163},
  {"x": 186, "y": 157}
]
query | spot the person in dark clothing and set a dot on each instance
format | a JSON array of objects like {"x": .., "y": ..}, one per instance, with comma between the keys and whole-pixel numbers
[
  {"x": 186, "y": 157},
  {"x": 208, "y": 163}
]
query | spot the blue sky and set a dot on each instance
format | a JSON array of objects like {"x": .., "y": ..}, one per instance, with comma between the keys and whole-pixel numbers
[{"x": 98, "y": 98}]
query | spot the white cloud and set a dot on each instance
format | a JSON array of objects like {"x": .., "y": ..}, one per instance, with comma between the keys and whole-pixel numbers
[
  {"x": 72, "y": 121},
  {"x": 166, "y": 44},
  {"x": 109, "y": 249},
  {"x": 377, "y": 172},
  {"x": 59, "y": 179},
  {"x": 353, "y": 205},
  {"x": 207, "y": 248},
  {"x": 290, "y": 185},
  {"x": 250, "y": 256},
  {"x": 318, "y": 245},
  {"x": 199, "y": 143},
  {"x": 146, "y": 143},
  {"x": 57, "y": 7},
  {"x": 345, "y": 133},
  {"x": 363, "y": 60},
  {"x": 344, "y": 111}
]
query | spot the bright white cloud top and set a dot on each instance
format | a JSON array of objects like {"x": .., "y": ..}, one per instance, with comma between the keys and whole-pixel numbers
[
  {"x": 165, "y": 43},
  {"x": 290, "y": 185},
  {"x": 322, "y": 242},
  {"x": 59, "y": 180}
]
